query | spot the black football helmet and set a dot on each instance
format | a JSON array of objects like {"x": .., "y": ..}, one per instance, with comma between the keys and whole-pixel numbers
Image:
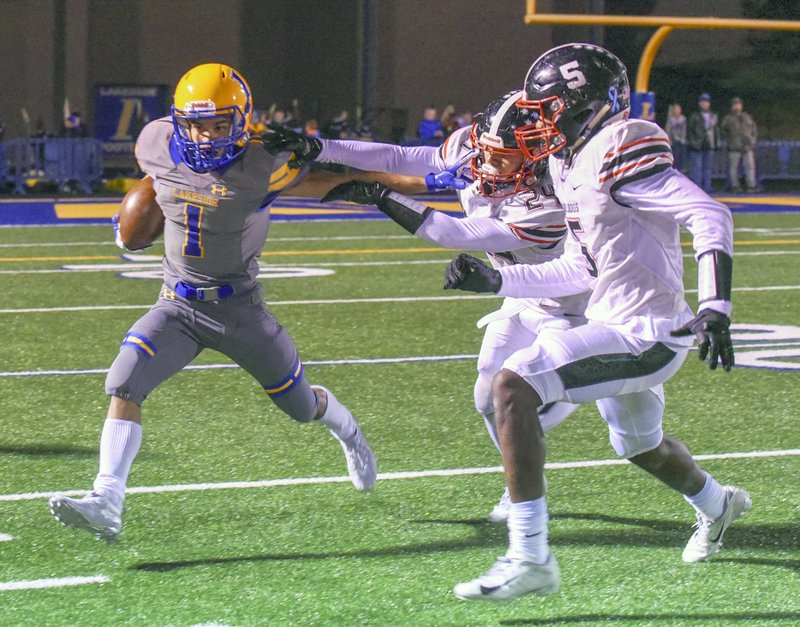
[
  {"x": 494, "y": 133},
  {"x": 574, "y": 89}
]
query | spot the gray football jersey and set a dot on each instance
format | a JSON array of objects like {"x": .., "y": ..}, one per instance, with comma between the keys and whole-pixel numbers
[{"x": 216, "y": 222}]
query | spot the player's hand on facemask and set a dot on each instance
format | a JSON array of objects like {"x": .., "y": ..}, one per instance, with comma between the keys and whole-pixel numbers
[
  {"x": 450, "y": 177},
  {"x": 438, "y": 181},
  {"x": 467, "y": 273},
  {"x": 281, "y": 139},
  {"x": 357, "y": 191},
  {"x": 710, "y": 328}
]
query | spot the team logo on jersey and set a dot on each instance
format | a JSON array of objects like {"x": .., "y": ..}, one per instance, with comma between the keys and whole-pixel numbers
[{"x": 219, "y": 190}]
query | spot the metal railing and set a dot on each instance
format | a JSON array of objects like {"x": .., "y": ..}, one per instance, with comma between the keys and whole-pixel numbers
[{"x": 64, "y": 161}]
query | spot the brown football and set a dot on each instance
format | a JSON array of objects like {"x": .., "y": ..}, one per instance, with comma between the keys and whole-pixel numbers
[{"x": 141, "y": 220}]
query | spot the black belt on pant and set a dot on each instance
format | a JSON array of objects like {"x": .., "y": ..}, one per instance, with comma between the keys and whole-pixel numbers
[{"x": 189, "y": 292}]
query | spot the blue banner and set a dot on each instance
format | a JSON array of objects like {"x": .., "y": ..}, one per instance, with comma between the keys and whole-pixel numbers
[
  {"x": 120, "y": 112},
  {"x": 643, "y": 105}
]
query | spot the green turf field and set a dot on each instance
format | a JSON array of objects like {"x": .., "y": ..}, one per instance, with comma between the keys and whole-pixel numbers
[{"x": 250, "y": 549}]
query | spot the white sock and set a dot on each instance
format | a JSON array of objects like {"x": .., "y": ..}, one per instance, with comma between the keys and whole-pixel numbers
[
  {"x": 710, "y": 501},
  {"x": 527, "y": 531},
  {"x": 491, "y": 427},
  {"x": 337, "y": 417},
  {"x": 119, "y": 444}
]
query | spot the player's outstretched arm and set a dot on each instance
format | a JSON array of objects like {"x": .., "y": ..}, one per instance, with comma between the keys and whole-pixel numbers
[
  {"x": 319, "y": 182},
  {"x": 563, "y": 276},
  {"x": 486, "y": 234}
]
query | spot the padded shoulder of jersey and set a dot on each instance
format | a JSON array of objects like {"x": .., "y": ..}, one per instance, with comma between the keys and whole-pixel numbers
[
  {"x": 455, "y": 146},
  {"x": 627, "y": 151},
  {"x": 152, "y": 147}
]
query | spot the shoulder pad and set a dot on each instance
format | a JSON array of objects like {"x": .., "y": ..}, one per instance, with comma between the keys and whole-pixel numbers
[
  {"x": 455, "y": 146},
  {"x": 632, "y": 150}
]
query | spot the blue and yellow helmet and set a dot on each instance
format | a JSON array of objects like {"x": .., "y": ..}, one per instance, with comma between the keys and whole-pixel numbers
[{"x": 207, "y": 91}]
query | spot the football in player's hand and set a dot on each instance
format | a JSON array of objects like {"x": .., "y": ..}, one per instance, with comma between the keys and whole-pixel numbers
[{"x": 141, "y": 220}]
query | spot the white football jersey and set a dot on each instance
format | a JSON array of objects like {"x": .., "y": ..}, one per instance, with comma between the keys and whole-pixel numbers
[
  {"x": 624, "y": 205},
  {"x": 534, "y": 215}
]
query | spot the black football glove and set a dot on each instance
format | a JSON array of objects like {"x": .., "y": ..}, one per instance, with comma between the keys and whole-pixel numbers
[
  {"x": 710, "y": 328},
  {"x": 467, "y": 273},
  {"x": 357, "y": 191},
  {"x": 281, "y": 139}
]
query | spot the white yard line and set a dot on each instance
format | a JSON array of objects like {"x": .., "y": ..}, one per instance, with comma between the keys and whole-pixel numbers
[
  {"x": 134, "y": 264},
  {"x": 319, "y": 362},
  {"x": 386, "y": 476},
  {"x": 739, "y": 344},
  {"x": 153, "y": 261},
  {"x": 110, "y": 242},
  {"x": 348, "y": 301},
  {"x": 276, "y": 303},
  {"x": 4, "y": 537},
  {"x": 58, "y": 582}
]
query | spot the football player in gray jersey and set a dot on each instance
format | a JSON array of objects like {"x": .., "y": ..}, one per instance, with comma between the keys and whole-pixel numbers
[{"x": 214, "y": 185}]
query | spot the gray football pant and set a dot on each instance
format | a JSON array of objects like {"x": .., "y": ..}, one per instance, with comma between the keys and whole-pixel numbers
[{"x": 169, "y": 336}]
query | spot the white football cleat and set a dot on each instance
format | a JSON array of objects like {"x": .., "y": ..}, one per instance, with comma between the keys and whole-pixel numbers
[
  {"x": 707, "y": 539},
  {"x": 500, "y": 511},
  {"x": 361, "y": 464},
  {"x": 510, "y": 578},
  {"x": 99, "y": 515}
]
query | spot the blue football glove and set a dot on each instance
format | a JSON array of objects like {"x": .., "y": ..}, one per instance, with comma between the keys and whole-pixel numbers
[{"x": 450, "y": 177}]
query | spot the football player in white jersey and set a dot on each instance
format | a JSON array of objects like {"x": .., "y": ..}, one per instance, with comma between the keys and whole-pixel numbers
[
  {"x": 511, "y": 213},
  {"x": 624, "y": 206}
]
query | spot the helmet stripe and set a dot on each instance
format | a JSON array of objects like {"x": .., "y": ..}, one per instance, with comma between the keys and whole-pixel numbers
[{"x": 510, "y": 102}]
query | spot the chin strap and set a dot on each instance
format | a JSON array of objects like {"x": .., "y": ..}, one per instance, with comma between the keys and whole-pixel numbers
[{"x": 714, "y": 276}]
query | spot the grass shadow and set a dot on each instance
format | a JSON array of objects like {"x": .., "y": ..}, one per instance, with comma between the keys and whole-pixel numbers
[
  {"x": 666, "y": 618},
  {"x": 486, "y": 535},
  {"x": 48, "y": 450},
  {"x": 649, "y": 533}
]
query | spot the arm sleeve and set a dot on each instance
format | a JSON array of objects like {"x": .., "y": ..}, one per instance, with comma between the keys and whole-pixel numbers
[
  {"x": 486, "y": 234},
  {"x": 710, "y": 222},
  {"x": 377, "y": 157},
  {"x": 672, "y": 194},
  {"x": 560, "y": 277}
]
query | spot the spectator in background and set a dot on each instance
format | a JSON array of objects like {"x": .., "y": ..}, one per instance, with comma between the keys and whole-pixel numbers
[
  {"x": 740, "y": 131},
  {"x": 363, "y": 129},
  {"x": 449, "y": 120},
  {"x": 676, "y": 131},
  {"x": 464, "y": 118},
  {"x": 278, "y": 118},
  {"x": 703, "y": 139},
  {"x": 294, "y": 116},
  {"x": 430, "y": 130},
  {"x": 339, "y": 127},
  {"x": 311, "y": 129},
  {"x": 73, "y": 126}
]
